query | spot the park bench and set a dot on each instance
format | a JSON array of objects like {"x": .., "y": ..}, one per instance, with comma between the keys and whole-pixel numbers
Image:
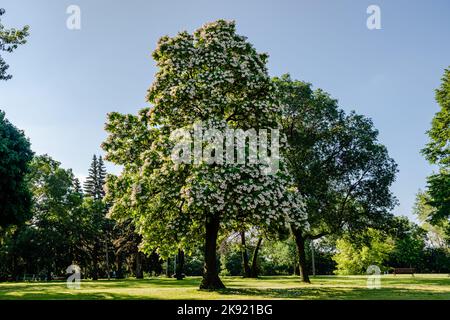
[{"x": 404, "y": 271}]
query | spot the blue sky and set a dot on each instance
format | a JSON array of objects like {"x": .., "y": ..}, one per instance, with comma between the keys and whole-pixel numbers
[{"x": 65, "y": 81}]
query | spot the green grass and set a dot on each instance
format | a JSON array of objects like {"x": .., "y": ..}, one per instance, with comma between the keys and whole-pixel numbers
[{"x": 322, "y": 287}]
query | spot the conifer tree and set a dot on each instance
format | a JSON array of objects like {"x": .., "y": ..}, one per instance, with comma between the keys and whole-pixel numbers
[
  {"x": 101, "y": 178},
  {"x": 95, "y": 181},
  {"x": 91, "y": 181},
  {"x": 77, "y": 186}
]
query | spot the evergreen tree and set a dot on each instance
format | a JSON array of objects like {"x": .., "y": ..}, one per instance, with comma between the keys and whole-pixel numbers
[
  {"x": 77, "y": 186},
  {"x": 95, "y": 181},
  {"x": 93, "y": 187},
  {"x": 91, "y": 181},
  {"x": 101, "y": 178}
]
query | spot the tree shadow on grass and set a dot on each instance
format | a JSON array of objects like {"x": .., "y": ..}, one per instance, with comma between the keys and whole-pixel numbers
[
  {"x": 75, "y": 296},
  {"x": 102, "y": 284},
  {"x": 337, "y": 293},
  {"x": 92, "y": 290}
]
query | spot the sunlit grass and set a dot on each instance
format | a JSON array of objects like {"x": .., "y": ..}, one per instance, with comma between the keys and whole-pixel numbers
[{"x": 322, "y": 287}]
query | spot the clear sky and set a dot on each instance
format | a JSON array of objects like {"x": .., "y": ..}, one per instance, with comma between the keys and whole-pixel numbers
[{"x": 65, "y": 81}]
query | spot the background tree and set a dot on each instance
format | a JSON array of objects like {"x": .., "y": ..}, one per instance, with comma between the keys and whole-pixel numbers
[
  {"x": 10, "y": 39},
  {"x": 438, "y": 231},
  {"x": 339, "y": 166},
  {"x": 95, "y": 181},
  {"x": 356, "y": 252},
  {"x": 126, "y": 244},
  {"x": 15, "y": 155},
  {"x": 57, "y": 226},
  {"x": 437, "y": 152},
  {"x": 95, "y": 206},
  {"x": 64, "y": 227},
  {"x": 409, "y": 244},
  {"x": 241, "y": 243}
]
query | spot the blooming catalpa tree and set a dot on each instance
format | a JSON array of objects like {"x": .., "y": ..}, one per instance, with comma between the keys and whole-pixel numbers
[{"x": 216, "y": 77}]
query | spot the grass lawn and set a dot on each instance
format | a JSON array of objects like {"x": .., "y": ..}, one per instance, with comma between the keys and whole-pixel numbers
[{"x": 322, "y": 287}]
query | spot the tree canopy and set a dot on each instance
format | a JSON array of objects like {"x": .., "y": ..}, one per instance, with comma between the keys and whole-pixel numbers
[
  {"x": 339, "y": 166},
  {"x": 10, "y": 39},
  {"x": 437, "y": 152},
  {"x": 15, "y": 155}
]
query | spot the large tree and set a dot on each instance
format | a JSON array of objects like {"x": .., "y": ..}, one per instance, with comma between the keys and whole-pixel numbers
[
  {"x": 15, "y": 155},
  {"x": 10, "y": 39},
  {"x": 437, "y": 152},
  {"x": 217, "y": 77},
  {"x": 15, "y": 152},
  {"x": 339, "y": 166}
]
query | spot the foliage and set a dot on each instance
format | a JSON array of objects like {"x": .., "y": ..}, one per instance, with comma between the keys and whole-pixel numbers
[
  {"x": 10, "y": 39},
  {"x": 15, "y": 155},
  {"x": 52, "y": 239},
  {"x": 94, "y": 184},
  {"x": 64, "y": 227},
  {"x": 409, "y": 244},
  {"x": 278, "y": 257},
  {"x": 194, "y": 263},
  {"x": 336, "y": 160},
  {"x": 355, "y": 255},
  {"x": 437, "y": 152},
  {"x": 438, "y": 231},
  {"x": 436, "y": 260},
  {"x": 439, "y": 192},
  {"x": 231, "y": 263}
]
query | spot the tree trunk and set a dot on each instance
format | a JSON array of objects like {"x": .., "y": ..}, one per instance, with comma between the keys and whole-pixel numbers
[
  {"x": 179, "y": 275},
  {"x": 138, "y": 273},
  {"x": 245, "y": 260},
  {"x": 300, "y": 241},
  {"x": 95, "y": 262},
  {"x": 254, "y": 269},
  {"x": 15, "y": 271},
  {"x": 211, "y": 278},
  {"x": 296, "y": 268},
  {"x": 119, "y": 273},
  {"x": 168, "y": 275},
  {"x": 107, "y": 258}
]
